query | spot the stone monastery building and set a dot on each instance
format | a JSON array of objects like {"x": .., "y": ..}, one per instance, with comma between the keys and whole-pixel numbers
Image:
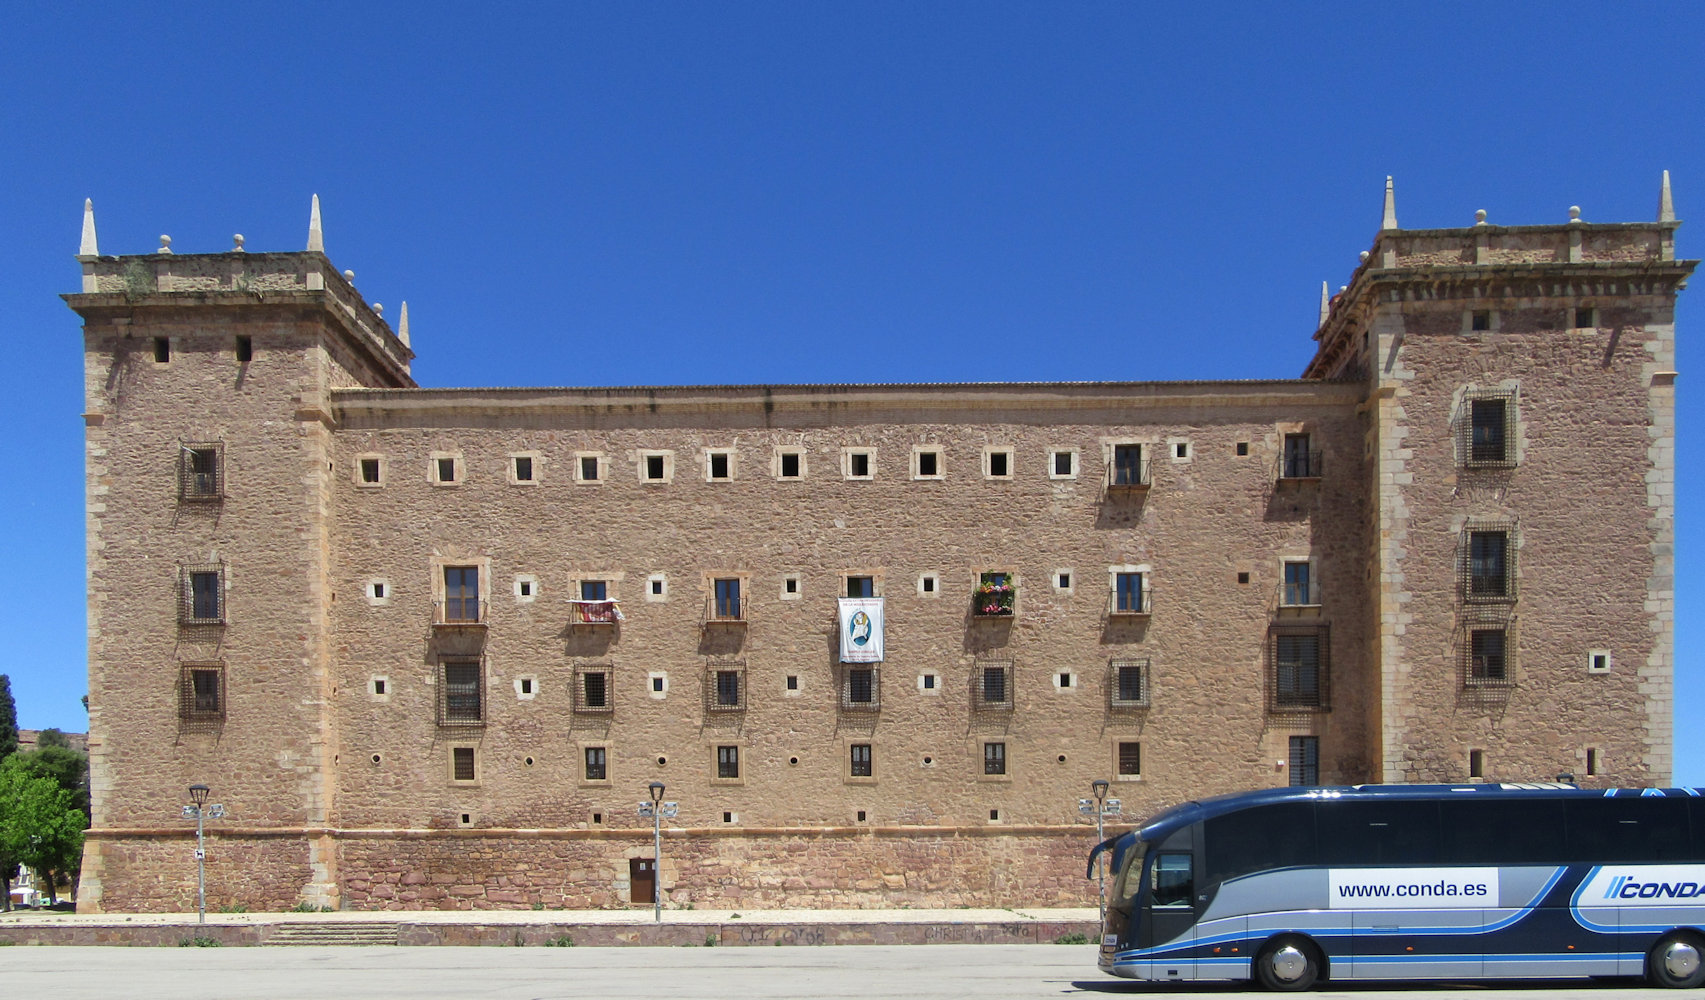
[{"x": 430, "y": 646}]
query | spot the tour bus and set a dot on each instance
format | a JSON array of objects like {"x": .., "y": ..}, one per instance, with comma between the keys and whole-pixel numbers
[{"x": 1294, "y": 886}]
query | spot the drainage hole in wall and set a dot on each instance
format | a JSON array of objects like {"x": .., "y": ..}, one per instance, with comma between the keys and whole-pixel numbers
[
  {"x": 1062, "y": 758},
  {"x": 793, "y": 760},
  {"x": 661, "y": 761},
  {"x": 929, "y": 760},
  {"x": 529, "y": 761},
  {"x": 597, "y": 819},
  {"x": 375, "y": 758}
]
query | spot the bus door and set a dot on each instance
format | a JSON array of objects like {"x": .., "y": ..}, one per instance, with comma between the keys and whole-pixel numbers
[{"x": 1169, "y": 911}]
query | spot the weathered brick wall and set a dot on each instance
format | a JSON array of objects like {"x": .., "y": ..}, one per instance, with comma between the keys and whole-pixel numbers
[{"x": 157, "y": 872}]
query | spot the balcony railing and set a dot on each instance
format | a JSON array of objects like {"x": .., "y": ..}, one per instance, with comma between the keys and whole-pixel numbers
[
  {"x": 1130, "y": 604},
  {"x": 459, "y": 612},
  {"x": 994, "y": 600},
  {"x": 1128, "y": 477},
  {"x": 1298, "y": 596},
  {"x": 1301, "y": 465},
  {"x": 594, "y": 613},
  {"x": 725, "y": 611}
]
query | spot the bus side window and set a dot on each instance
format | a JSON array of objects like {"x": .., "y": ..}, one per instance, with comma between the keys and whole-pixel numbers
[{"x": 1172, "y": 880}]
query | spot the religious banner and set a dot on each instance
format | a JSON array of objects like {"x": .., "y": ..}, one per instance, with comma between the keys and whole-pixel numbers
[{"x": 861, "y": 630}]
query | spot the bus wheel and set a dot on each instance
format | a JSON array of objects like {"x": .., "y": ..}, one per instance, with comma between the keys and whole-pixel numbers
[
  {"x": 1288, "y": 963},
  {"x": 1676, "y": 960}
]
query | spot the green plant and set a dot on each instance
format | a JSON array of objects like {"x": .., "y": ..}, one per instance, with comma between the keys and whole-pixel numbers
[
  {"x": 566, "y": 941},
  {"x": 710, "y": 940},
  {"x": 233, "y": 908},
  {"x": 301, "y": 907},
  {"x": 538, "y": 906},
  {"x": 5, "y": 943},
  {"x": 1072, "y": 939},
  {"x": 734, "y": 916},
  {"x": 200, "y": 942}
]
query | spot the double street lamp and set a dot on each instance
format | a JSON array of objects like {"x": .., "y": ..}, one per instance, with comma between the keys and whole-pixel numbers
[
  {"x": 199, "y": 810},
  {"x": 1100, "y": 807},
  {"x": 659, "y": 811}
]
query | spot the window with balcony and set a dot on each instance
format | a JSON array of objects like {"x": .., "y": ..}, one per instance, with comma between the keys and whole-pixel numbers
[
  {"x": 459, "y": 693},
  {"x": 861, "y": 586},
  {"x": 1299, "y": 588},
  {"x": 995, "y": 596},
  {"x": 201, "y": 472},
  {"x": 1300, "y": 460},
  {"x": 462, "y": 604},
  {"x": 1129, "y": 469},
  {"x": 203, "y": 595},
  {"x": 1130, "y": 593},
  {"x": 725, "y": 600},
  {"x": 1128, "y": 684},
  {"x": 1299, "y": 665}
]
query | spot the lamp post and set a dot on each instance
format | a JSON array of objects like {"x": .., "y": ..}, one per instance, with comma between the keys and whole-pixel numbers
[
  {"x": 658, "y": 810},
  {"x": 199, "y": 810},
  {"x": 1100, "y": 807}
]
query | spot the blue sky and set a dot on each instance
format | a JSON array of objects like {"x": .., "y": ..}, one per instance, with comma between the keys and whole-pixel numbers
[{"x": 583, "y": 194}]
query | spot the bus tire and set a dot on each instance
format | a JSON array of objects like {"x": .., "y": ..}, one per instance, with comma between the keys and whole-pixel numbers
[
  {"x": 1287, "y": 964},
  {"x": 1677, "y": 960}
]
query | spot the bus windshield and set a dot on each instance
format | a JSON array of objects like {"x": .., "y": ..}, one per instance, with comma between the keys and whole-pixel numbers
[{"x": 1129, "y": 878}]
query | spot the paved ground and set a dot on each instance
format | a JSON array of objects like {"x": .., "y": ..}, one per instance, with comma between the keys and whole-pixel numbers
[{"x": 944, "y": 972}]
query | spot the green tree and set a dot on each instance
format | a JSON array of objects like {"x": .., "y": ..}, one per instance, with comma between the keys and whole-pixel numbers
[
  {"x": 39, "y": 824},
  {"x": 52, "y": 738},
  {"x": 8, "y": 719},
  {"x": 62, "y": 765}
]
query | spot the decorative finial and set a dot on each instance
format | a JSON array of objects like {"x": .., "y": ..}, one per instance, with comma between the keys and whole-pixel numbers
[
  {"x": 379, "y": 309},
  {"x": 402, "y": 324},
  {"x": 1480, "y": 217},
  {"x": 165, "y": 244},
  {"x": 1363, "y": 256},
  {"x": 87, "y": 247},
  {"x": 349, "y": 276},
  {"x": 1325, "y": 304},
  {"x": 1342, "y": 289},
  {"x": 1666, "y": 205},
  {"x": 1574, "y": 213},
  {"x": 1389, "y": 221},
  {"x": 237, "y": 243},
  {"x": 316, "y": 237}
]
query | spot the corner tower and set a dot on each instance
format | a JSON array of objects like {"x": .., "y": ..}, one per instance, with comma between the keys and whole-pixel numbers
[
  {"x": 208, "y": 436},
  {"x": 1520, "y": 426}
]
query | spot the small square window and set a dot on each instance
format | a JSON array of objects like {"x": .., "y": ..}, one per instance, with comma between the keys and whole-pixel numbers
[
  {"x": 727, "y": 816},
  {"x": 1063, "y": 581},
  {"x": 790, "y": 586},
  {"x": 1598, "y": 661},
  {"x": 994, "y": 815},
  {"x": 524, "y": 588},
  {"x": 1062, "y": 464},
  {"x": 652, "y": 468},
  {"x": 997, "y": 463},
  {"x": 381, "y": 685},
  {"x": 656, "y": 588},
  {"x": 719, "y": 466},
  {"x": 790, "y": 464},
  {"x": 1065, "y": 679},
  {"x": 929, "y": 584},
  {"x": 523, "y": 469},
  {"x": 1181, "y": 449},
  {"x": 369, "y": 471},
  {"x": 591, "y": 469},
  {"x": 526, "y": 684},
  {"x": 245, "y": 350},
  {"x": 793, "y": 682},
  {"x": 1480, "y": 319},
  {"x": 377, "y": 590},
  {"x": 462, "y": 765},
  {"x": 1242, "y": 449},
  {"x": 927, "y": 682},
  {"x": 659, "y": 685},
  {"x": 1243, "y": 578},
  {"x": 928, "y": 464},
  {"x": 446, "y": 469},
  {"x": 1585, "y": 319},
  {"x": 858, "y": 464},
  {"x": 1592, "y": 761},
  {"x": 1477, "y": 763},
  {"x": 162, "y": 350}
]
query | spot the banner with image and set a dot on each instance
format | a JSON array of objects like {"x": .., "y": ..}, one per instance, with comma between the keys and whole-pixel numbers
[{"x": 861, "y": 630}]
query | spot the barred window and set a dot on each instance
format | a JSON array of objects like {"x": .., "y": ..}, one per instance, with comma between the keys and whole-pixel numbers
[
  {"x": 597, "y": 764},
  {"x": 592, "y": 689},
  {"x": 994, "y": 758},
  {"x": 1488, "y": 563},
  {"x": 201, "y": 471},
  {"x": 1130, "y": 759},
  {"x": 725, "y": 686},
  {"x": 992, "y": 685},
  {"x": 1128, "y": 683},
  {"x": 462, "y": 763},
  {"x": 1486, "y": 429},
  {"x": 861, "y": 760},
  {"x": 860, "y": 690},
  {"x": 728, "y": 688},
  {"x": 728, "y": 762},
  {"x": 1301, "y": 460},
  {"x": 1305, "y": 760},
  {"x": 203, "y": 595},
  {"x": 1299, "y": 679},
  {"x": 1488, "y": 661},
  {"x": 201, "y": 692},
  {"x": 459, "y": 701}
]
